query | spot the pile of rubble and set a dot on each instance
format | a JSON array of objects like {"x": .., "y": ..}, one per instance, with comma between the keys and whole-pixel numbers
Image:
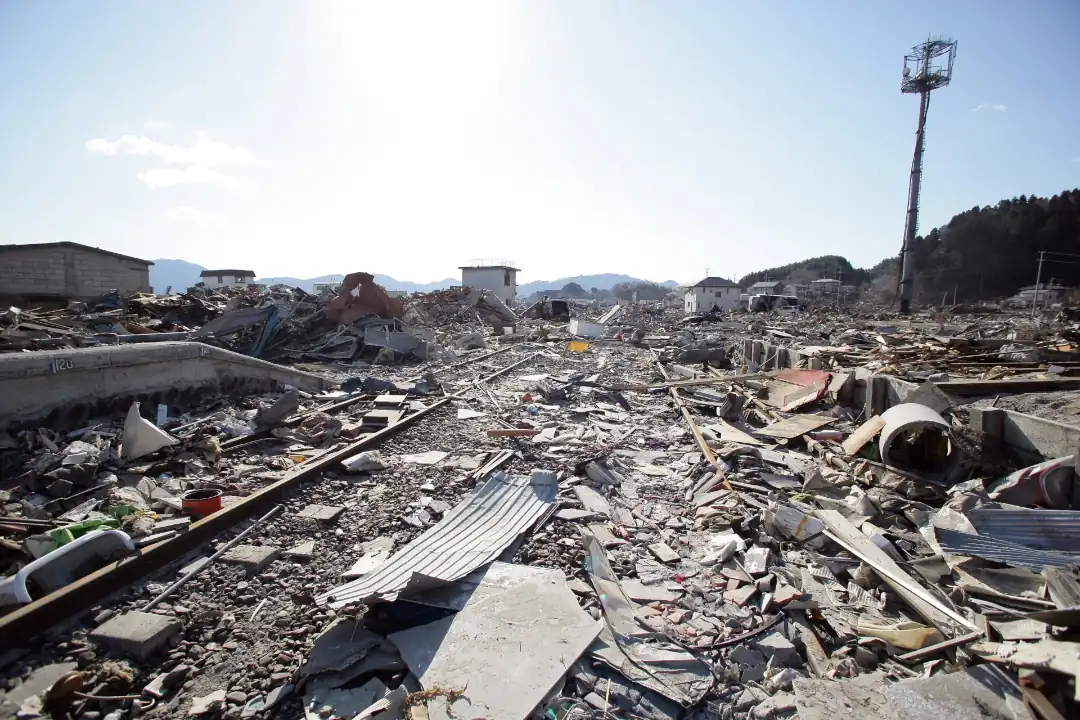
[
  {"x": 636, "y": 521},
  {"x": 284, "y": 324}
]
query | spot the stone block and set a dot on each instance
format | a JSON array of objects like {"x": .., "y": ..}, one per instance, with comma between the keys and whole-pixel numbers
[
  {"x": 322, "y": 513},
  {"x": 252, "y": 558},
  {"x": 303, "y": 551},
  {"x": 137, "y": 633},
  {"x": 778, "y": 648}
]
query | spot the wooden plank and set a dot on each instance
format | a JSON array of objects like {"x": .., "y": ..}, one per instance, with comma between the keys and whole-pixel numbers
[
  {"x": 730, "y": 433},
  {"x": 866, "y": 432},
  {"x": 858, "y": 544},
  {"x": 795, "y": 426},
  {"x": 930, "y": 650}
]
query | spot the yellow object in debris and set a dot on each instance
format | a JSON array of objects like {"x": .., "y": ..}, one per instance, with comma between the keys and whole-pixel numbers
[
  {"x": 577, "y": 346},
  {"x": 297, "y": 458}
]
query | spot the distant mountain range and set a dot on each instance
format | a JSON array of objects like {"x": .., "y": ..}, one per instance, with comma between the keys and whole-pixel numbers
[
  {"x": 181, "y": 274},
  {"x": 386, "y": 281},
  {"x": 603, "y": 281}
]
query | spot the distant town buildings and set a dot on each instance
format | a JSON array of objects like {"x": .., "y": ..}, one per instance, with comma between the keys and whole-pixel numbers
[
  {"x": 227, "y": 278},
  {"x": 766, "y": 287},
  {"x": 824, "y": 286},
  {"x": 1045, "y": 294}
]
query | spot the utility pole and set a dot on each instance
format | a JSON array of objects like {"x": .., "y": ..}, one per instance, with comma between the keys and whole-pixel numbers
[
  {"x": 839, "y": 282},
  {"x": 1038, "y": 279},
  {"x": 921, "y": 75}
]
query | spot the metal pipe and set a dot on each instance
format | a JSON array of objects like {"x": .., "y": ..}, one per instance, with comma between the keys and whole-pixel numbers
[
  {"x": 143, "y": 337},
  {"x": 209, "y": 561}
]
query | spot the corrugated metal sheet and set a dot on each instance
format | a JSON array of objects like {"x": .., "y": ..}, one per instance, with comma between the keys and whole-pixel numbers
[
  {"x": 988, "y": 548},
  {"x": 1055, "y": 530},
  {"x": 470, "y": 535}
]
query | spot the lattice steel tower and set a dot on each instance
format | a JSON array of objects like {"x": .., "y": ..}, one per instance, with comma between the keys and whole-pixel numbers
[{"x": 927, "y": 67}]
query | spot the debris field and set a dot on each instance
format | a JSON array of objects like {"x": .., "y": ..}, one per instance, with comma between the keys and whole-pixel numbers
[{"x": 501, "y": 515}]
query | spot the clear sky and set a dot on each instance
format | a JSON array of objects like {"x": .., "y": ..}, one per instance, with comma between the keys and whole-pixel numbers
[{"x": 652, "y": 138}]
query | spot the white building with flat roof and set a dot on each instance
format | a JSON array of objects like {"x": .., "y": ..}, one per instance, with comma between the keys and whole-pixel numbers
[
  {"x": 227, "y": 278},
  {"x": 500, "y": 277}
]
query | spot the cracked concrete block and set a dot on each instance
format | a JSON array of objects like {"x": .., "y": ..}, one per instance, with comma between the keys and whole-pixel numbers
[
  {"x": 137, "y": 633},
  {"x": 303, "y": 551},
  {"x": 322, "y": 513},
  {"x": 779, "y": 648},
  {"x": 745, "y": 656},
  {"x": 252, "y": 558}
]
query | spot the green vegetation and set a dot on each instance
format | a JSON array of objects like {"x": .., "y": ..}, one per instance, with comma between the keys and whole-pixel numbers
[{"x": 981, "y": 253}]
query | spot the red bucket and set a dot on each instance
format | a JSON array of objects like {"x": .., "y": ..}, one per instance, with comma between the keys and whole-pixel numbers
[{"x": 201, "y": 503}]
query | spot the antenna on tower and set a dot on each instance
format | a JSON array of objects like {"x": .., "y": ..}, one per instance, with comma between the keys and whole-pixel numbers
[{"x": 927, "y": 67}]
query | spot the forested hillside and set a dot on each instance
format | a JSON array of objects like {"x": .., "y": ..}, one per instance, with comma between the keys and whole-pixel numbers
[
  {"x": 992, "y": 251},
  {"x": 983, "y": 253}
]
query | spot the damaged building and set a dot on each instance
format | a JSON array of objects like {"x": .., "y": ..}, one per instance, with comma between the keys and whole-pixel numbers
[{"x": 52, "y": 273}]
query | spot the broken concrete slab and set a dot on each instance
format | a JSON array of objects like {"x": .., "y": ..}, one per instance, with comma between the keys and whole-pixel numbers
[
  {"x": 137, "y": 633},
  {"x": 322, "y": 513},
  {"x": 347, "y": 702},
  {"x": 509, "y": 645},
  {"x": 758, "y": 560},
  {"x": 663, "y": 553},
  {"x": 573, "y": 514},
  {"x": 592, "y": 501},
  {"x": 206, "y": 704},
  {"x": 301, "y": 552},
  {"x": 862, "y": 696},
  {"x": 431, "y": 457},
  {"x": 778, "y": 649},
  {"x": 338, "y": 648},
  {"x": 740, "y": 596},
  {"x": 179, "y": 524},
  {"x": 365, "y": 564},
  {"x": 252, "y": 558},
  {"x": 36, "y": 684},
  {"x": 640, "y": 592},
  {"x": 974, "y": 693}
]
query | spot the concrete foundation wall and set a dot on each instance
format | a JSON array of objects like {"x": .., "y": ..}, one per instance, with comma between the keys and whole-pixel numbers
[
  {"x": 67, "y": 271},
  {"x": 1032, "y": 438},
  {"x": 65, "y": 388}
]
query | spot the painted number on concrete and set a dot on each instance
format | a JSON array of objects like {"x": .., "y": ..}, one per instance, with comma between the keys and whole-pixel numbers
[{"x": 59, "y": 364}]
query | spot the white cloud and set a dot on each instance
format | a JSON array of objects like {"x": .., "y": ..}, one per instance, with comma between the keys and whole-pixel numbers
[
  {"x": 996, "y": 107},
  {"x": 191, "y": 175},
  {"x": 153, "y": 125},
  {"x": 198, "y": 163},
  {"x": 193, "y": 215}
]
